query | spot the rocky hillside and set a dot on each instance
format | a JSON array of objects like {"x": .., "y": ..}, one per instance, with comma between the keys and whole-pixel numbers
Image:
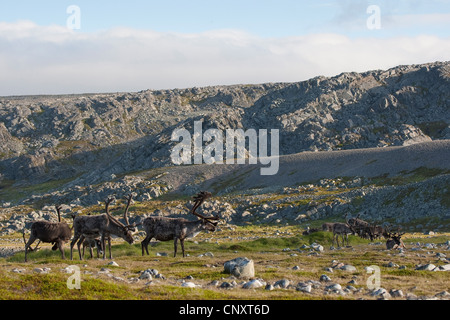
[
  {"x": 92, "y": 136},
  {"x": 78, "y": 148}
]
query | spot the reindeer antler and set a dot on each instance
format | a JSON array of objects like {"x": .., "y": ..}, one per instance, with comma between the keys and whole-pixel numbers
[
  {"x": 199, "y": 199},
  {"x": 58, "y": 210},
  {"x": 125, "y": 214}
]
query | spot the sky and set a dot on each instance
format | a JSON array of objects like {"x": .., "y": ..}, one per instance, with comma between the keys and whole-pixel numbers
[{"x": 77, "y": 46}]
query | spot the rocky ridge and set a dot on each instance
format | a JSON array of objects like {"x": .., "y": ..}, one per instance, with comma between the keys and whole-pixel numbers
[
  {"x": 88, "y": 138},
  {"x": 386, "y": 134}
]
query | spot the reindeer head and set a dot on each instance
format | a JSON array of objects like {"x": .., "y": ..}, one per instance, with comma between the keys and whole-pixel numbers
[
  {"x": 208, "y": 223},
  {"x": 122, "y": 230}
]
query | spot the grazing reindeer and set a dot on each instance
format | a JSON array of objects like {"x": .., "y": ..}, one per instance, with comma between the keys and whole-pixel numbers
[
  {"x": 102, "y": 226},
  {"x": 56, "y": 233},
  {"x": 92, "y": 243},
  {"x": 166, "y": 229},
  {"x": 327, "y": 226},
  {"x": 361, "y": 227},
  {"x": 309, "y": 230},
  {"x": 376, "y": 231},
  {"x": 342, "y": 229}
]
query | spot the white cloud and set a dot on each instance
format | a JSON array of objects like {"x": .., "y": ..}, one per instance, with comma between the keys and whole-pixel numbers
[{"x": 52, "y": 59}]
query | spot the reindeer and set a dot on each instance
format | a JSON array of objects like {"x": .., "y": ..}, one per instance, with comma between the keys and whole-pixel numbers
[
  {"x": 327, "y": 226},
  {"x": 102, "y": 226},
  {"x": 166, "y": 229},
  {"x": 342, "y": 229},
  {"x": 360, "y": 227},
  {"x": 394, "y": 239},
  {"x": 56, "y": 233},
  {"x": 309, "y": 230},
  {"x": 91, "y": 243}
]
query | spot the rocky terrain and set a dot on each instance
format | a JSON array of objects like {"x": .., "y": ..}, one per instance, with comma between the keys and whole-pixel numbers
[
  {"x": 90, "y": 137},
  {"x": 374, "y": 142}
]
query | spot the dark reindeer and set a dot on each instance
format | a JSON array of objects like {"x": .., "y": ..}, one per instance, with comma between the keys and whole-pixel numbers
[
  {"x": 328, "y": 226},
  {"x": 166, "y": 229},
  {"x": 92, "y": 243},
  {"x": 361, "y": 227},
  {"x": 394, "y": 239},
  {"x": 103, "y": 226},
  {"x": 56, "y": 233},
  {"x": 343, "y": 230}
]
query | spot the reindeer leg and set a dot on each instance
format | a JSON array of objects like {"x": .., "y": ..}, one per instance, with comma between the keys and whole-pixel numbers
[
  {"x": 61, "y": 248},
  {"x": 175, "y": 244},
  {"x": 144, "y": 244},
  {"x": 79, "y": 247},
  {"x": 103, "y": 246},
  {"x": 28, "y": 244},
  {"x": 72, "y": 243},
  {"x": 109, "y": 246},
  {"x": 182, "y": 246}
]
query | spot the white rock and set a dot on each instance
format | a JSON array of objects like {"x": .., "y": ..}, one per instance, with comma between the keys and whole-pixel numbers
[
  {"x": 253, "y": 284},
  {"x": 284, "y": 283},
  {"x": 426, "y": 267},
  {"x": 445, "y": 267},
  {"x": 381, "y": 292},
  {"x": 188, "y": 285},
  {"x": 348, "y": 268},
  {"x": 240, "y": 267},
  {"x": 325, "y": 278},
  {"x": 304, "y": 287}
]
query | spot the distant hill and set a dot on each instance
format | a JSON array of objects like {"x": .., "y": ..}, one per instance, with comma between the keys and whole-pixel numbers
[{"x": 81, "y": 140}]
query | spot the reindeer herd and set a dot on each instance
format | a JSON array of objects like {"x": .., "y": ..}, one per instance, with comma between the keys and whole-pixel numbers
[
  {"x": 94, "y": 230},
  {"x": 365, "y": 230}
]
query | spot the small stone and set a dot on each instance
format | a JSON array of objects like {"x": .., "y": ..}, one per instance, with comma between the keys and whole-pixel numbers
[
  {"x": 161, "y": 254},
  {"x": 396, "y": 293},
  {"x": 333, "y": 287},
  {"x": 253, "y": 284},
  {"x": 382, "y": 293},
  {"x": 269, "y": 287},
  {"x": 284, "y": 283},
  {"x": 392, "y": 265},
  {"x": 348, "y": 268},
  {"x": 324, "y": 278},
  {"x": 426, "y": 267},
  {"x": 188, "y": 285},
  {"x": 443, "y": 294},
  {"x": 226, "y": 285},
  {"x": 146, "y": 275},
  {"x": 304, "y": 287}
]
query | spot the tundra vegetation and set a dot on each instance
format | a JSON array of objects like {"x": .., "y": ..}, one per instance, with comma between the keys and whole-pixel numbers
[{"x": 280, "y": 252}]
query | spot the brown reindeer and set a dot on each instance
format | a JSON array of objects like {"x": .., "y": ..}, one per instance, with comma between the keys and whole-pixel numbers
[
  {"x": 56, "y": 233},
  {"x": 166, "y": 229},
  {"x": 343, "y": 230},
  {"x": 103, "y": 226},
  {"x": 394, "y": 239}
]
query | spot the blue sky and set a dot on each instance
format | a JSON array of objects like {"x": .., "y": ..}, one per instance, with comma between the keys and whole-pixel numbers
[
  {"x": 265, "y": 18},
  {"x": 134, "y": 45}
]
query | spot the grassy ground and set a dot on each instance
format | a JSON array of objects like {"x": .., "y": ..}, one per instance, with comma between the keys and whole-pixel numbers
[{"x": 266, "y": 245}]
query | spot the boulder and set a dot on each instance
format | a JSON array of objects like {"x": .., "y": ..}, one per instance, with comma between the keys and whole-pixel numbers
[{"x": 241, "y": 267}]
